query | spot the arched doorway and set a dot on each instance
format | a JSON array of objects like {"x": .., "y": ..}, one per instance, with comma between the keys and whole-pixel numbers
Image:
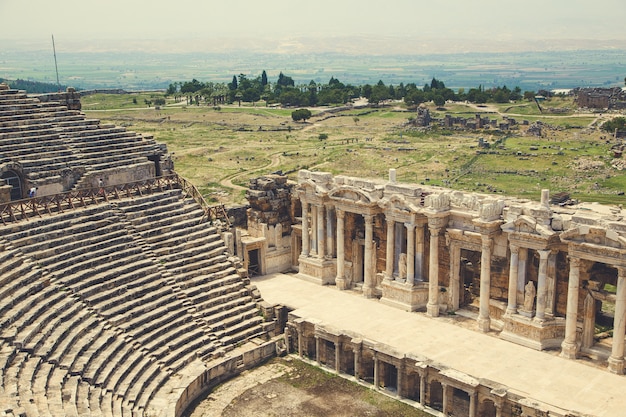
[
  {"x": 487, "y": 409},
  {"x": 436, "y": 396},
  {"x": 11, "y": 178}
]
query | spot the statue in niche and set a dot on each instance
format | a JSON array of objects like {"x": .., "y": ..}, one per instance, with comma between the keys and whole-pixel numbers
[
  {"x": 402, "y": 266},
  {"x": 529, "y": 296}
]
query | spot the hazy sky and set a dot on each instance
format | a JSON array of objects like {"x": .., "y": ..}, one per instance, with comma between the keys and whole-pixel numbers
[{"x": 168, "y": 19}]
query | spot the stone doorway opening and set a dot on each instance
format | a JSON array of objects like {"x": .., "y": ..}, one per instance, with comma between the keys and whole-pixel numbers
[
  {"x": 254, "y": 263},
  {"x": 487, "y": 409},
  {"x": 13, "y": 179},
  {"x": 599, "y": 312},
  {"x": 469, "y": 279},
  {"x": 436, "y": 395},
  {"x": 156, "y": 159}
]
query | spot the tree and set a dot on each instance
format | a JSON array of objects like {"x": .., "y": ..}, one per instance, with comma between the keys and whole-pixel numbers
[
  {"x": 439, "y": 100},
  {"x": 263, "y": 78},
  {"x": 233, "y": 84},
  {"x": 618, "y": 123},
  {"x": 301, "y": 114}
]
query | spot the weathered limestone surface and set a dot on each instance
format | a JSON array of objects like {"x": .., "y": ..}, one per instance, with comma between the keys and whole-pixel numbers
[
  {"x": 47, "y": 143},
  {"x": 521, "y": 267}
]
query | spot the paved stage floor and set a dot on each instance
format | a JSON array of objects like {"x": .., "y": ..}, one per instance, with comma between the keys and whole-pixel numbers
[{"x": 542, "y": 376}]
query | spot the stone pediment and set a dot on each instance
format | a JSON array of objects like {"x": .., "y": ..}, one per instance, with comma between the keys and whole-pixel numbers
[
  {"x": 311, "y": 187},
  {"x": 351, "y": 195},
  {"x": 594, "y": 236},
  {"x": 528, "y": 225},
  {"x": 397, "y": 203}
]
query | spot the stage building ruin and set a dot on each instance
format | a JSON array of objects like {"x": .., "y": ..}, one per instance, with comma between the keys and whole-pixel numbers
[{"x": 544, "y": 276}]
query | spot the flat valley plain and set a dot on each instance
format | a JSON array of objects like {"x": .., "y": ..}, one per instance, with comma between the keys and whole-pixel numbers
[
  {"x": 220, "y": 149},
  {"x": 155, "y": 66}
]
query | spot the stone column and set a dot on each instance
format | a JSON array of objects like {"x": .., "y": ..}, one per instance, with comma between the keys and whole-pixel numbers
[
  {"x": 318, "y": 359},
  {"x": 472, "y": 405},
  {"x": 521, "y": 274},
  {"x": 375, "y": 372},
  {"x": 423, "y": 389},
  {"x": 432, "y": 307},
  {"x": 314, "y": 242},
  {"x": 329, "y": 232},
  {"x": 484, "y": 321},
  {"x": 337, "y": 357},
  {"x": 419, "y": 253},
  {"x": 399, "y": 374},
  {"x": 300, "y": 342},
  {"x": 455, "y": 275},
  {"x": 511, "y": 307},
  {"x": 390, "y": 249},
  {"x": 447, "y": 400},
  {"x": 306, "y": 240},
  {"x": 340, "y": 279},
  {"x": 568, "y": 347},
  {"x": 357, "y": 363},
  {"x": 368, "y": 274},
  {"x": 542, "y": 285},
  {"x": 320, "y": 232},
  {"x": 410, "y": 253},
  {"x": 551, "y": 283},
  {"x": 616, "y": 360}
]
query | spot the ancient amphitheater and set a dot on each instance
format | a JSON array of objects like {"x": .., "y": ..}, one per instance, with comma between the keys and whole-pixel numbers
[{"x": 122, "y": 293}]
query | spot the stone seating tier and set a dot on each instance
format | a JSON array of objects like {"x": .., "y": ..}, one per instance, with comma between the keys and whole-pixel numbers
[{"x": 100, "y": 317}]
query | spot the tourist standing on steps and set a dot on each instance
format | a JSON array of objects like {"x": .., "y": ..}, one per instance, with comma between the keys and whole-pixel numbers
[
  {"x": 100, "y": 187},
  {"x": 32, "y": 192}
]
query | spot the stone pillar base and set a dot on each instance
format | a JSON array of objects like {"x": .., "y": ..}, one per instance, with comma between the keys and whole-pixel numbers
[
  {"x": 484, "y": 324},
  {"x": 616, "y": 365},
  {"x": 569, "y": 350},
  {"x": 368, "y": 292},
  {"x": 432, "y": 310},
  {"x": 341, "y": 283}
]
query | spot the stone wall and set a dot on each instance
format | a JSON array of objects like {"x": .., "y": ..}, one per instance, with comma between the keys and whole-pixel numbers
[{"x": 269, "y": 198}]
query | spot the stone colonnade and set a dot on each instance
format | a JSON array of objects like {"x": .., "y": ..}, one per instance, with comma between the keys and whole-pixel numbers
[
  {"x": 428, "y": 385},
  {"x": 407, "y": 243}
]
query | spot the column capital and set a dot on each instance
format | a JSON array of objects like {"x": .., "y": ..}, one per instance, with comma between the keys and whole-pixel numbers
[
  {"x": 340, "y": 213},
  {"x": 487, "y": 242},
  {"x": 368, "y": 217},
  {"x": 574, "y": 261},
  {"x": 543, "y": 254},
  {"x": 514, "y": 249},
  {"x": 436, "y": 222},
  {"x": 409, "y": 225},
  {"x": 621, "y": 272}
]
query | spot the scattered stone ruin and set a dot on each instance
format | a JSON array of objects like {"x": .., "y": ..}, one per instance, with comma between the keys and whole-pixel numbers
[{"x": 601, "y": 98}]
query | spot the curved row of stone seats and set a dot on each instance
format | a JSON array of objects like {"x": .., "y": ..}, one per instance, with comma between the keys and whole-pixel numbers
[
  {"x": 67, "y": 337},
  {"x": 47, "y": 139},
  {"x": 97, "y": 255},
  {"x": 97, "y": 322},
  {"x": 177, "y": 237}
]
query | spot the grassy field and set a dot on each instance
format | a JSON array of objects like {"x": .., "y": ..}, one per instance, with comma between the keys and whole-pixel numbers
[{"x": 220, "y": 149}]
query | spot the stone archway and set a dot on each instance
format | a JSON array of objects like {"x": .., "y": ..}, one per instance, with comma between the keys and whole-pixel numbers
[
  {"x": 13, "y": 179},
  {"x": 487, "y": 408}
]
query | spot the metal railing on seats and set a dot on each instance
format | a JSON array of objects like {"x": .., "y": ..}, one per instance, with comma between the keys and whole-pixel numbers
[{"x": 25, "y": 209}]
